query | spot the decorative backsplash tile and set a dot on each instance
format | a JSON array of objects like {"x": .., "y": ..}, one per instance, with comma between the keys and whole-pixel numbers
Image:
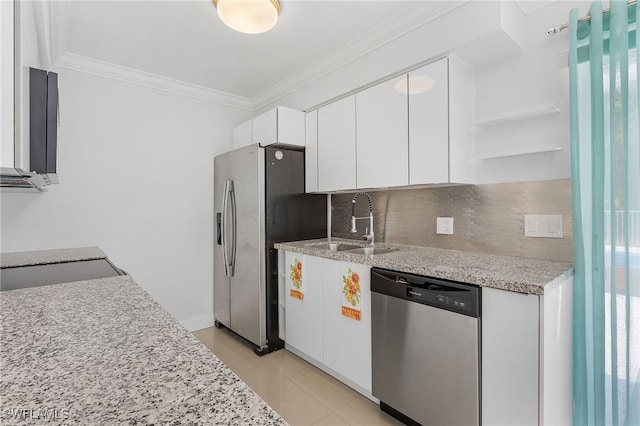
[{"x": 487, "y": 218}]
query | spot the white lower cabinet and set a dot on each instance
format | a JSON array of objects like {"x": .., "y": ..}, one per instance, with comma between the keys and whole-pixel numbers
[
  {"x": 324, "y": 325},
  {"x": 526, "y": 371},
  {"x": 509, "y": 358},
  {"x": 303, "y": 293},
  {"x": 526, "y": 357},
  {"x": 346, "y": 327}
]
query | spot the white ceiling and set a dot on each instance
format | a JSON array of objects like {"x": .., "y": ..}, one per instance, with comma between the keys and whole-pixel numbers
[
  {"x": 186, "y": 41},
  {"x": 183, "y": 42}
]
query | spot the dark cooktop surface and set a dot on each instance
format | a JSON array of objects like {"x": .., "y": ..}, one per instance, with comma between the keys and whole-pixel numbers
[{"x": 56, "y": 273}]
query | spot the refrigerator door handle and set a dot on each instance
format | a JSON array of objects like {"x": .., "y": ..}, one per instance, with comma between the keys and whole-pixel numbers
[
  {"x": 224, "y": 222},
  {"x": 234, "y": 230}
]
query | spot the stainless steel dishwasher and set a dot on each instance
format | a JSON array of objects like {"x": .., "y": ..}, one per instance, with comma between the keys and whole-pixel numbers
[{"x": 425, "y": 336}]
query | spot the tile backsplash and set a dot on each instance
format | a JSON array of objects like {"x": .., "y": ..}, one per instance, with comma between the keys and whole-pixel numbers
[{"x": 488, "y": 218}]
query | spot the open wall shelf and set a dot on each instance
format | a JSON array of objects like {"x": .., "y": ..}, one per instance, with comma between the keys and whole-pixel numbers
[
  {"x": 519, "y": 150},
  {"x": 511, "y": 117}
]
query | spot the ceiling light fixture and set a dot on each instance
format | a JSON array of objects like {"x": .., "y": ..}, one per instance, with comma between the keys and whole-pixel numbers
[{"x": 248, "y": 16}]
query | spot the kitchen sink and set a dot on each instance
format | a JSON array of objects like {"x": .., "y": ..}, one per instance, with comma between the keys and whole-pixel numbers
[
  {"x": 370, "y": 251},
  {"x": 336, "y": 246}
]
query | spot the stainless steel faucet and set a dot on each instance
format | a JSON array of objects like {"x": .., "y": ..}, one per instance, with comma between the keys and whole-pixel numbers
[{"x": 368, "y": 236}]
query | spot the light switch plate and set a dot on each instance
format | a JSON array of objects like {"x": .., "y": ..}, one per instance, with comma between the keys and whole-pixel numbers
[
  {"x": 444, "y": 225},
  {"x": 543, "y": 226}
]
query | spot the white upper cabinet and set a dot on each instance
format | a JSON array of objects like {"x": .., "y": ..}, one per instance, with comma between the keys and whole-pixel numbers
[
  {"x": 413, "y": 129},
  {"x": 441, "y": 103},
  {"x": 337, "y": 145},
  {"x": 429, "y": 123},
  {"x": 311, "y": 152},
  {"x": 242, "y": 135},
  {"x": 279, "y": 125},
  {"x": 382, "y": 135},
  {"x": 6, "y": 84}
]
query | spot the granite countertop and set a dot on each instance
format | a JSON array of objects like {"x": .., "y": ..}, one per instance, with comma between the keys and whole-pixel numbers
[
  {"x": 45, "y": 257},
  {"x": 103, "y": 351},
  {"x": 529, "y": 276}
]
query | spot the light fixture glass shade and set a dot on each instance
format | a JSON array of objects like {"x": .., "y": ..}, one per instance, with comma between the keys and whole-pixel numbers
[{"x": 249, "y": 16}]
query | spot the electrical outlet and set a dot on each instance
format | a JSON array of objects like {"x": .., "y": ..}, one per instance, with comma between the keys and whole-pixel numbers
[
  {"x": 543, "y": 226},
  {"x": 444, "y": 225}
]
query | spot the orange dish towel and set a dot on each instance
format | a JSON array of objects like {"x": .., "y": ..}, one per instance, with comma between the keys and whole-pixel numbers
[
  {"x": 296, "y": 279},
  {"x": 351, "y": 295}
]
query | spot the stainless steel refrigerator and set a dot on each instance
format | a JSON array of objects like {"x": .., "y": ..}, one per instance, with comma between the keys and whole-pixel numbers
[{"x": 259, "y": 200}]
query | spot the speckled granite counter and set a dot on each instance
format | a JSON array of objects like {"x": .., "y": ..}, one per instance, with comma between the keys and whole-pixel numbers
[
  {"x": 44, "y": 257},
  {"x": 103, "y": 352},
  {"x": 516, "y": 274}
]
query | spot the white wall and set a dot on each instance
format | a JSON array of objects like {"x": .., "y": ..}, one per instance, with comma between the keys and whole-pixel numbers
[{"x": 136, "y": 179}]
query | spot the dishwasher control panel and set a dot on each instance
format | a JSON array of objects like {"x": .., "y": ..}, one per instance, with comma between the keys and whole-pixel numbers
[
  {"x": 448, "y": 295},
  {"x": 450, "y": 301}
]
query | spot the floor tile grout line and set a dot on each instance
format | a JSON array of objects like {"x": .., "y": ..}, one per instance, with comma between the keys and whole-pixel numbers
[{"x": 217, "y": 340}]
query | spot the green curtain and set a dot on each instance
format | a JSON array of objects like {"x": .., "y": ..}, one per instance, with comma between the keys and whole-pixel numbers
[{"x": 605, "y": 171}]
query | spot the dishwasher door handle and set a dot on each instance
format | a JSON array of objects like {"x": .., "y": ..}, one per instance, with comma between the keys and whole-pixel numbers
[
  {"x": 404, "y": 279},
  {"x": 390, "y": 276}
]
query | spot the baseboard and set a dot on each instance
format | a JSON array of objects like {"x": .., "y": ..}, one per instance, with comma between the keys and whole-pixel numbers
[{"x": 198, "y": 323}]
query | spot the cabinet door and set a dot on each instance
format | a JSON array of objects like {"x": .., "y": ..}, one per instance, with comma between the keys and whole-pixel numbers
[
  {"x": 311, "y": 152},
  {"x": 429, "y": 124},
  {"x": 462, "y": 89},
  {"x": 337, "y": 145},
  {"x": 290, "y": 126},
  {"x": 241, "y": 135},
  {"x": 304, "y": 303},
  {"x": 346, "y": 327},
  {"x": 510, "y": 330},
  {"x": 265, "y": 130},
  {"x": 6, "y": 84},
  {"x": 382, "y": 135},
  {"x": 279, "y": 125}
]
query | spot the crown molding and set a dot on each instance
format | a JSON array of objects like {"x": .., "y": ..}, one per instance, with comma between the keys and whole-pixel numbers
[
  {"x": 394, "y": 28},
  {"x": 50, "y": 46},
  {"x": 528, "y": 7},
  {"x": 88, "y": 65}
]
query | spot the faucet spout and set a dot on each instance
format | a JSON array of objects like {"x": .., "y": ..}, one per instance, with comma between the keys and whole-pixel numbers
[{"x": 369, "y": 232}]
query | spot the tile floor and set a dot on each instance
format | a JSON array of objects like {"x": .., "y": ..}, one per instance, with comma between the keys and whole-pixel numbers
[{"x": 301, "y": 393}]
